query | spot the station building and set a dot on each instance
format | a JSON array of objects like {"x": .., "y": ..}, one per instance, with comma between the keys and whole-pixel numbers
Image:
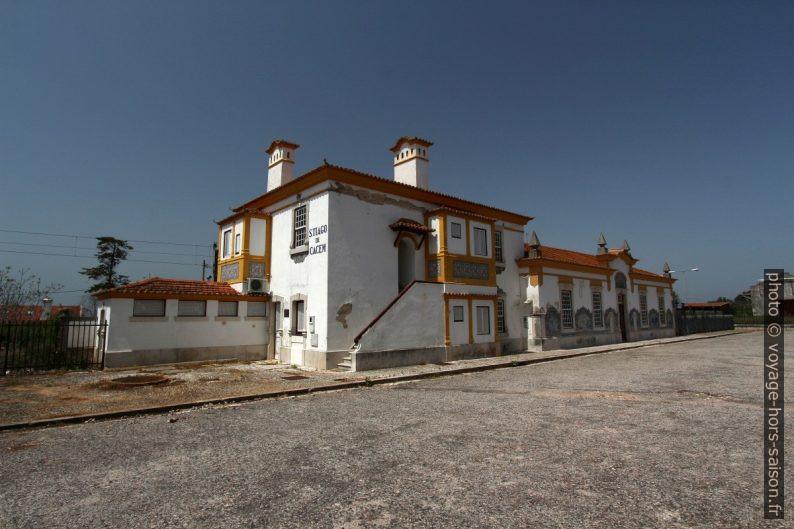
[{"x": 353, "y": 271}]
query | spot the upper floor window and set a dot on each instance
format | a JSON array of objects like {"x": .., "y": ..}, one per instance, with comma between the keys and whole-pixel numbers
[
  {"x": 497, "y": 244},
  {"x": 226, "y": 243},
  {"x": 455, "y": 230},
  {"x": 480, "y": 242},
  {"x": 238, "y": 243},
  {"x": 299, "y": 226}
]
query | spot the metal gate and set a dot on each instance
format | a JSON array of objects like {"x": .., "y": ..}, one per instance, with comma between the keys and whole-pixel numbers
[{"x": 53, "y": 344}]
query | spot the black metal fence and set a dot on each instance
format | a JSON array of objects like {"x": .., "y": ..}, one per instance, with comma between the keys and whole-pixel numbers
[
  {"x": 692, "y": 322},
  {"x": 53, "y": 344}
]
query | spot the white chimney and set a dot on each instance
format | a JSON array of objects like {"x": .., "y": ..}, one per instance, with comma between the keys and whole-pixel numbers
[
  {"x": 280, "y": 162},
  {"x": 411, "y": 161}
]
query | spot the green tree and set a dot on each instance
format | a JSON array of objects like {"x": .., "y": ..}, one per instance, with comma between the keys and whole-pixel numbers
[{"x": 110, "y": 252}]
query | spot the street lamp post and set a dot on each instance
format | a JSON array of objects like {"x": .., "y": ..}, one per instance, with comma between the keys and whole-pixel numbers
[{"x": 683, "y": 279}]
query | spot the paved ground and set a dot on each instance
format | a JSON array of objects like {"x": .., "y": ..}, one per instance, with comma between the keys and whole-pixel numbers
[
  {"x": 666, "y": 436},
  {"x": 53, "y": 395}
]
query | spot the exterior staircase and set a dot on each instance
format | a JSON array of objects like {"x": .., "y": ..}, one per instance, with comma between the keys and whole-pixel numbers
[{"x": 346, "y": 364}]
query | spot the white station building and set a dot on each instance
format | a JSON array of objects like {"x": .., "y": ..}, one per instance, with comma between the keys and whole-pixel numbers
[{"x": 353, "y": 271}]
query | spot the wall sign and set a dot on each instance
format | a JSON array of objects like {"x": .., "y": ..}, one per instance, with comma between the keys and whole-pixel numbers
[{"x": 314, "y": 239}]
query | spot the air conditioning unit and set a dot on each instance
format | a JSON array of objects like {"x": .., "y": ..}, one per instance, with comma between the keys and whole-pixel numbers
[{"x": 256, "y": 286}]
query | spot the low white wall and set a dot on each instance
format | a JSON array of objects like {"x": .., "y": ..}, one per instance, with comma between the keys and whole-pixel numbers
[
  {"x": 171, "y": 338},
  {"x": 415, "y": 321}
]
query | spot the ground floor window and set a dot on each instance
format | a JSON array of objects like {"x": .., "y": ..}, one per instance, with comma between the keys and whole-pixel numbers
[
  {"x": 501, "y": 328},
  {"x": 598, "y": 312},
  {"x": 457, "y": 314},
  {"x": 483, "y": 320},
  {"x": 298, "y": 316},
  {"x": 148, "y": 307},
  {"x": 257, "y": 308},
  {"x": 566, "y": 308},
  {"x": 644, "y": 310},
  {"x": 227, "y": 308},
  {"x": 191, "y": 308},
  {"x": 661, "y": 310}
]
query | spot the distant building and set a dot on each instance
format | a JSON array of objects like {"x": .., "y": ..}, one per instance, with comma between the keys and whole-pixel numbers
[
  {"x": 711, "y": 306},
  {"x": 37, "y": 312},
  {"x": 757, "y": 296}
]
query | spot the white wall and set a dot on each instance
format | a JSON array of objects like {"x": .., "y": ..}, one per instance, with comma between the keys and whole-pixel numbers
[
  {"x": 128, "y": 333},
  {"x": 363, "y": 262},
  {"x": 415, "y": 321},
  {"x": 305, "y": 274},
  {"x": 459, "y": 331},
  {"x": 258, "y": 236},
  {"x": 454, "y": 245}
]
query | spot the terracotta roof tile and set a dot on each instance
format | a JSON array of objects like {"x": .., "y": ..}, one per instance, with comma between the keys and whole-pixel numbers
[
  {"x": 173, "y": 287},
  {"x": 570, "y": 256},
  {"x": 410, "y": 225},
  {"x": 641, "y": 272},
  {"x": 432, "y": 196}
]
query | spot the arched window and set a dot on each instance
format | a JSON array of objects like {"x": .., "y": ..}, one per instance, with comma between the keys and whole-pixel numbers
[{"x": 620, "y": 280}]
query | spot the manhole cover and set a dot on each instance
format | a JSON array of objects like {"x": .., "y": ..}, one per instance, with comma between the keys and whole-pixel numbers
[
  {"x": 138, "y": 380},
  {"x": 293, "y": 377}
]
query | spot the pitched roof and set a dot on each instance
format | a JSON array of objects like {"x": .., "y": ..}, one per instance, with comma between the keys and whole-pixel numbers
[
  {"x": 569, "y": 256},
  {"x": 410, "y": 139},
  {"x": 709, "y": 305},
  {"x": 410, "y": 225},
  {"x": 161, "y": 288},
  {"x": 650, "y": 275},
  {"x": 385, "y": 185},
  {"x": 278, "y": 143}
]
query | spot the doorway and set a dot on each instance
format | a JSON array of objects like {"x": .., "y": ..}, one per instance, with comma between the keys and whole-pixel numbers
[
  {"x": 275, "y": 331},
  {"x": 622, "y": 317},
  {"x": 405, "y": 264}
]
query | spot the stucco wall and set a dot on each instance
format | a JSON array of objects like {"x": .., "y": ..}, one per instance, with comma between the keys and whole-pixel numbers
[
  {"x": 415, "y": 321},
  {"x": 363, "y": 262},
  {"x": 153, "y": 340},
  {"x": 302, "y": 275}
]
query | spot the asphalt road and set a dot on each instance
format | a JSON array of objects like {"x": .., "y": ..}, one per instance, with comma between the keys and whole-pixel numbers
[{"x": 667, "y": 436}]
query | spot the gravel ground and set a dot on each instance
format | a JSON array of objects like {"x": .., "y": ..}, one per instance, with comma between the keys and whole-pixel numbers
[
  {"x": 666, "y": 436},
  {"x": 25, "y": 397}
]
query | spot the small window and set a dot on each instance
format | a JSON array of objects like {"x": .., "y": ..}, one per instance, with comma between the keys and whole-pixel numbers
[
  {"x": 148, "y": 307},
  {"x": 457, "y": 313},
  {"x": 483, "y": 320},
  {"x": 566, "y": 306},
  {"x": 456, "y": 231},
  {"x": 257, "y": 308},
  {"x": 238, "y": 246},
  {"x": 299, "y": 227},
  {"x": 598, "y": 313},
  {"x": 644, "y": 310},
  {"x": 661, "y": 310},
  {"x": 501, "y": 328},
  {"x": 226, "y": 244},
  {"x": 497, "y": 242},
  {"x": 480, "y": 242},
  {"x": 191, "y": 308},
  {"x": 227, "y": 308},
  {"x": 298, "y": 316}
]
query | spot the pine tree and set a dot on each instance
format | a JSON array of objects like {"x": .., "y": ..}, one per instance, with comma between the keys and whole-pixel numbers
[{"x": 110, "y": 253}]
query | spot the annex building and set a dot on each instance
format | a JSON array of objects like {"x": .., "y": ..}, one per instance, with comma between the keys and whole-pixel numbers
[{"x": 340, "y": 269}]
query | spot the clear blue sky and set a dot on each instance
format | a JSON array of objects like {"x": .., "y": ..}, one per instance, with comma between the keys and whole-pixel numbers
[{"x": 670, "y": 124}]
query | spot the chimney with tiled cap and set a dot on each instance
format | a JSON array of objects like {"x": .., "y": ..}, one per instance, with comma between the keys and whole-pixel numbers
[
  {"x": 602, "y": 244},
  {"x": 411, "y": 161},
  {"x": 280, "y": 163}
]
